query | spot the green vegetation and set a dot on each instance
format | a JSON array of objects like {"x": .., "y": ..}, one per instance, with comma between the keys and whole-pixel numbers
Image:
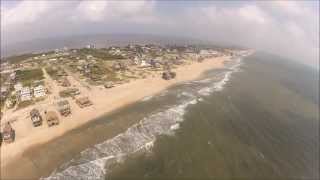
[
  {"x": 53, "y": 73},
  {"x": 69, "y": 92},
  {"x": 19, "y": 58},
  {"x": 4, "y": 77},
  {"x": 27, "y": 77},
  {"x": 24, "y": 104},
  {"x": 98, "y": 53}
]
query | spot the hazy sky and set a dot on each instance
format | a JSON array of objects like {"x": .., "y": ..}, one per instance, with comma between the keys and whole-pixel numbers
[{"x": 289, "y": 28}]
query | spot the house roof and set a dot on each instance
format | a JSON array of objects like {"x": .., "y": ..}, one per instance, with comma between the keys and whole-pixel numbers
[
  {"x": 83, "y": 100},
  {"x": 7, "y": 128},
  {"x": 34, "y": 112},
  {"x": 51, "y": 115}
]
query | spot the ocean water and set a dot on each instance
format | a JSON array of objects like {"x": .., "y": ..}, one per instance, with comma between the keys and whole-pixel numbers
[{"x": 257, "y": 118}]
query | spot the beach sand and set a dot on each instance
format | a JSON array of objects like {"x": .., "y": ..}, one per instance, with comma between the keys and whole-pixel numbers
[{"x": 13, "y": 159}]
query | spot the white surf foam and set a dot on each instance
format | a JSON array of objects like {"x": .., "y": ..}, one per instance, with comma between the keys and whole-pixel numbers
[
  {"x": 218, "y": 86},
  {"x": 94, "y": 162},
  {"x": 147, "y": 98}
]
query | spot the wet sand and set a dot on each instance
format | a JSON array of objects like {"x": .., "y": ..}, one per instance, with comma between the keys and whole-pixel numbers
[{"x": 36, "y": 154}]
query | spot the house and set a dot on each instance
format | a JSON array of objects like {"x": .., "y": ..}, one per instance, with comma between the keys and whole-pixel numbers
[
  {"x": 109, "y": 85},
  {"x": 143, "y": 64},
  {"x": 52, "y": 118},
  {"x": 167, "y": 75},
  {"x": 13, "y": 76},
  {"x": 8, "y": 133},
  {"x": 89, "y": 56},
  {"x": 4, "y": 91},
  {"x": 83, "y": 102},
  {"x": 90, "y": 46},
  {"x": 18, "y": 87},
  {"x": 39, "y": 91},
  {"x": 64, "y": 82},
  {"x": 36, "y": 117},
  {"x": 10, "y": 103},
  {"x": 25, "y": 94},
  {"x": 64, "y": 107}
]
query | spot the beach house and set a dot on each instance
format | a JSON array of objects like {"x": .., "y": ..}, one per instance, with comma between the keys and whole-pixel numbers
[
  {"x": 83, "y": 102},
  {"x": 25, "y": 94},
  {"x": 39, "y": 91},
  {"x": 8, "y": 133},
  {"x": 64, "y": 107},
  {"x": 35, "y": 117},
  {"x": 17, "y": 87},
  {"x": 52, "y": 118}
]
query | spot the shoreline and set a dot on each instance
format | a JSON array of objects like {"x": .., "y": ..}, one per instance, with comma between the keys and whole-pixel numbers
[{"x": 118, "y": 97}]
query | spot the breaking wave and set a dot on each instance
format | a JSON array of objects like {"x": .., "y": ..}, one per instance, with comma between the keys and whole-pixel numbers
[
  {"x": 218, "y": 86},
  {"x": 96, "y": 162}
]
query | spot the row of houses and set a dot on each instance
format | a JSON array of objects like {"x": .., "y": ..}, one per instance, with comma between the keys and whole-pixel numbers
[{"x": 25, "y": 93}]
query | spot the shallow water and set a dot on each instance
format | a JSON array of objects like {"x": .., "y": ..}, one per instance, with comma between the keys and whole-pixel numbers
[{"x": 253, "y": 119}]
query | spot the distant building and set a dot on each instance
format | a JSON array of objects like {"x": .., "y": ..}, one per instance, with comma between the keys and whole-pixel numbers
[
  {"x": 18, "y": 87},
  {"x": 25, "y": 94},
  {"x": 39, "y": 91},
  {"x": 143, "y": 64},
  {"x": 89, "y": 56},
  {"x": 13, "y": 76},
  {"x": 4, "y": 91},
  {"x": 90, "y": 46}
]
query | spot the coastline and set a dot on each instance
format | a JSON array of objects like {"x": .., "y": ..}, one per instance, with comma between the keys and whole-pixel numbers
[{"x": 118, "y": 97}]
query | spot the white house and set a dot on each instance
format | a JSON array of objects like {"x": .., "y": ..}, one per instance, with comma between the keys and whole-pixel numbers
[
  {"x": 18, "y": 87},
  {"x": 39, "y": 91},
  {"x": 13, "y": 76},
  {"x": 143, "y": 64},
  {"x": 25, "y": 94}
]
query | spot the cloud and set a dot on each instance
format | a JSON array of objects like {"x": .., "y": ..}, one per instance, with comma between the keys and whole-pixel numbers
[
  {"x": 98, "y": 11},
  {"x": 91, "y": 10},
  {"x": 252, "y": 13},
  {"x": 25, "y": 12},
  {"x": 288, "y": 28}
]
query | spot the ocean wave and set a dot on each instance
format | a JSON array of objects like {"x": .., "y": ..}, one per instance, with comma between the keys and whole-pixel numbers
[
  {"x": 218, "y": 86},
  {"x": 93, "y": 162},
  {"x": 147, "y": 98}
]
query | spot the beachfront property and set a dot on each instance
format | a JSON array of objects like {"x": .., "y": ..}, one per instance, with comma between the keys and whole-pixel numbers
[
  {"x": 18, "y": 87},
  {"x": 4, "y": 91},
  {"x": 63, "y": 107},
  {"x": 8, "y": 133},
  {"x": 25, "y": 94},
  {"x": 39, "y": 91},
  {"x": 35, "y": 117},
  {"x": 52, "y": 118},
  {"x": 83, "y": 102}
]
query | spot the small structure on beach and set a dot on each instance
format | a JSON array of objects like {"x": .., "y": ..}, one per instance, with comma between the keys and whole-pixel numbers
[
  {"x": 64, "y": 107},
  {"x": 64, "y": 82},
  {"x": 52, "y": 118},
  {"x": 8, "y": 133},
  {"x": 109, "y": 85},
  {"x": 83, "y": 102},
  {"x": 167, "y": 75},
  {"x": 36, "y": 117}
]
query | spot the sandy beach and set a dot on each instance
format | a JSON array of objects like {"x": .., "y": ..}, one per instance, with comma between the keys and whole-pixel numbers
[{"x": 104, "y": 102}]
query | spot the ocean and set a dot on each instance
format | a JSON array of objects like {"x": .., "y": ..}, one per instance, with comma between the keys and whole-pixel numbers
[{"x": 258, "y": 118}]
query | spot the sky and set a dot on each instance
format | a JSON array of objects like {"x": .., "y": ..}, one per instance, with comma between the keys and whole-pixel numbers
[{"x": 287, "y": 28}]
